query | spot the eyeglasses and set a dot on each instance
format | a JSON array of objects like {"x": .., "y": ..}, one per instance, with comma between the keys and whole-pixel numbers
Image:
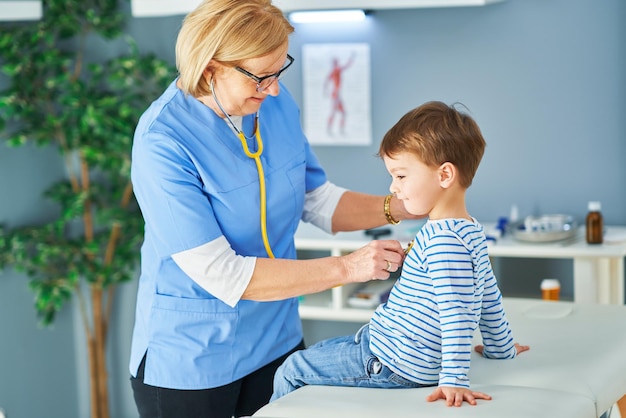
[{"x": 263, "y": 83}]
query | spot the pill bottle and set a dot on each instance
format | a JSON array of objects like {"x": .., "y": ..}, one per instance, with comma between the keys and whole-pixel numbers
[
  {"x": 550, "y": 289},
  {"x": 594, "y": 224}
]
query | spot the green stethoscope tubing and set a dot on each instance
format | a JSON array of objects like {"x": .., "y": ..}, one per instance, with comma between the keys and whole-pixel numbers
[{"x": 256, "y": 156}]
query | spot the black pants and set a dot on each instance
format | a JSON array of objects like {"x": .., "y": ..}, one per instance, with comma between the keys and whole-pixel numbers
[{"x": 240, "y": 398}]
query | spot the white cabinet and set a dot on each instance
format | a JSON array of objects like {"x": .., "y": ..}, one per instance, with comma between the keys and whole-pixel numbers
[
  {"x": 598, "y": 269},
  {"x": 151, "y": 8},
  {"x": 148, "y": 8},
  {"x": 332, "y": 305},
  {"x": 20, "y": 10},
  {"x": 292, "y": 5}
]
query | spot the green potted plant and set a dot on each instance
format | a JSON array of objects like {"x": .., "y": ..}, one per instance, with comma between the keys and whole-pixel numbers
[{"x": 87, "y": 110}]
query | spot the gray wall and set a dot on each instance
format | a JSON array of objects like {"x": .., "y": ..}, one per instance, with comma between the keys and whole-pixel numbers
[{"x": 545, "y": 79}]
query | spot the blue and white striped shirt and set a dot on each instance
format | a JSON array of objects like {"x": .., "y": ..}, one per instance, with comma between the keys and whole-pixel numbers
[{"x": 447, "y": 288}]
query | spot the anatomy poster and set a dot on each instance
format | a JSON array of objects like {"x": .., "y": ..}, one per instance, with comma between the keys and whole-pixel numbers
[{"x": 336, "y": 79}]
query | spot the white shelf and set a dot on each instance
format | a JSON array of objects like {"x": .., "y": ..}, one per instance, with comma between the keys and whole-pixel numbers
[
  {"x": 332, "y": 305},
  {"x": 330, "y": 314},
  {"x": 598, "y": 269}
]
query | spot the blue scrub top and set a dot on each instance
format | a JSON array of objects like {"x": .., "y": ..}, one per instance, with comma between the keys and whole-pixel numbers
[{"x": 194, "y": 184}]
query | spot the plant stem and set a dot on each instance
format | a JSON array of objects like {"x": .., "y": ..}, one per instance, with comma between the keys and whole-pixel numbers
[
  {"x": 110, "y": 252},
  {"x": 93, "y": 377},
  {"x": 87, "y": 215},
  {"x": 100, "y": 344}
]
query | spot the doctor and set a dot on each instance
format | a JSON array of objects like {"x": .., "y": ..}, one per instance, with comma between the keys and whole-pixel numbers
[{"x": 223, "y": 174}]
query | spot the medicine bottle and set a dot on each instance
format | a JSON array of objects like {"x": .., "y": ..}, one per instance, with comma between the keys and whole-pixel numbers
[
  {"x": 550, "y": 289},
  {"x": 594, "y": 223}
]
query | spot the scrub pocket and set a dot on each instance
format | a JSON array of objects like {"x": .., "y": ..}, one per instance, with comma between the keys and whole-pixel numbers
[{"x": 197, "y": 334}]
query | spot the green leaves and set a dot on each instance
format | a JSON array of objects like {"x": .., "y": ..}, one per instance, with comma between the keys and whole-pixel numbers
[
  {"x": 50, "y": 296},
  {"x": 88, "y": 110}
]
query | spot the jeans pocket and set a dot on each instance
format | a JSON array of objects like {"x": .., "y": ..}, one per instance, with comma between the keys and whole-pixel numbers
[{"x": 374, "y": 366}]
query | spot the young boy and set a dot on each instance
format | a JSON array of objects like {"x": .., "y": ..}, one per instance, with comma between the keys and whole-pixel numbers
[{"x": 422, "y": 335}]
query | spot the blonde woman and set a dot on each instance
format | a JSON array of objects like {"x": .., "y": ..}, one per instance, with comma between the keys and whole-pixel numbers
[{"x": 223, "y": 175}]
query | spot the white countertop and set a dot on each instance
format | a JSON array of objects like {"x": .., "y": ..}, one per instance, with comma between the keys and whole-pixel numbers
[{"x": 311, "y": 237}]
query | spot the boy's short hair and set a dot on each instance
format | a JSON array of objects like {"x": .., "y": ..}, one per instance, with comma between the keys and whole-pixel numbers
[{"x": 437, "y": 133}]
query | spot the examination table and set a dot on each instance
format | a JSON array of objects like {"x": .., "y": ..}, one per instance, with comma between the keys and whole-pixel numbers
[{"x": 576, "y": 367}]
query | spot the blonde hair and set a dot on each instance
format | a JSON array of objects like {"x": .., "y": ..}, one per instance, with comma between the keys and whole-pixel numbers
[
  {"x": 228, "y": 31},
  {"x": 437, "y": 133}
]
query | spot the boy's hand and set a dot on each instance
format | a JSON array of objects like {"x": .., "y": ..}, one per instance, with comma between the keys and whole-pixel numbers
[
  {"x": 520, "y": 348},
  {"x": 455, "y": 396}
]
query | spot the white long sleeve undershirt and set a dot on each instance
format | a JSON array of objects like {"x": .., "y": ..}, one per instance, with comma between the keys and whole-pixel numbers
[{"x": 225, "y": 274}]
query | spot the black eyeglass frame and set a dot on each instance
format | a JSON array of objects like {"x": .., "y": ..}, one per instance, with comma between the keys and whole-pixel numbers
[{"x": 258, "y": 80}]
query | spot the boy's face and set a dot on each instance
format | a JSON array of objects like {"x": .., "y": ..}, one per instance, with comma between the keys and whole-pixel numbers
[{"x": 413, "y": 182}]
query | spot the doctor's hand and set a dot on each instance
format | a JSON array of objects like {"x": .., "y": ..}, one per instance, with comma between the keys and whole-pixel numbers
[
  {"x": 455, "y": 396},
  {"x": 375, "y": 261},
  {"x": 518, "y": 347}
]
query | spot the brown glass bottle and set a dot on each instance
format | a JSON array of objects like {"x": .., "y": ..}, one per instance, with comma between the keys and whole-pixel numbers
[{"x": 594, "y": 225}]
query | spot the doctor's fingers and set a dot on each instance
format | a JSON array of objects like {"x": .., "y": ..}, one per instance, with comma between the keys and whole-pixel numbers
[
  {"x": 393, "y": 255},
  {"x": 390, "y": 245},
  {"x": 373, "y": 261},
  {"x": 391, "y": 250}
]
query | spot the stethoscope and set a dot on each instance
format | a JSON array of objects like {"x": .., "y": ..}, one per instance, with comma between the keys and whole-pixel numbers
[{"x": 256, "y": 156}]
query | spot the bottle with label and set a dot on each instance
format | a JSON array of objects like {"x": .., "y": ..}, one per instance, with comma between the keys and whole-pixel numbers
[{"x": 594, "y": 225}]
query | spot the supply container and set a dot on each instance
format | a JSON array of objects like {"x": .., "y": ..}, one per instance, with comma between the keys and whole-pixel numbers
[
  {"x": 550, "y": 289},
  {"x": 594, "y": 223}
]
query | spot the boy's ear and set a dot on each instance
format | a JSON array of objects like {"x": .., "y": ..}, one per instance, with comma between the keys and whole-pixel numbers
[{"x": 447, "y": 174}]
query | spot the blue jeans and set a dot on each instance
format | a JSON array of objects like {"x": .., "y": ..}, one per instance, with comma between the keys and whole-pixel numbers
[{"x": 341, "y": 361}]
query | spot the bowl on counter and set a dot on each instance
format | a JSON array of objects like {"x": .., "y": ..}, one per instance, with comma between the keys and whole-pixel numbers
[{"x": 544, "y": 228}]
